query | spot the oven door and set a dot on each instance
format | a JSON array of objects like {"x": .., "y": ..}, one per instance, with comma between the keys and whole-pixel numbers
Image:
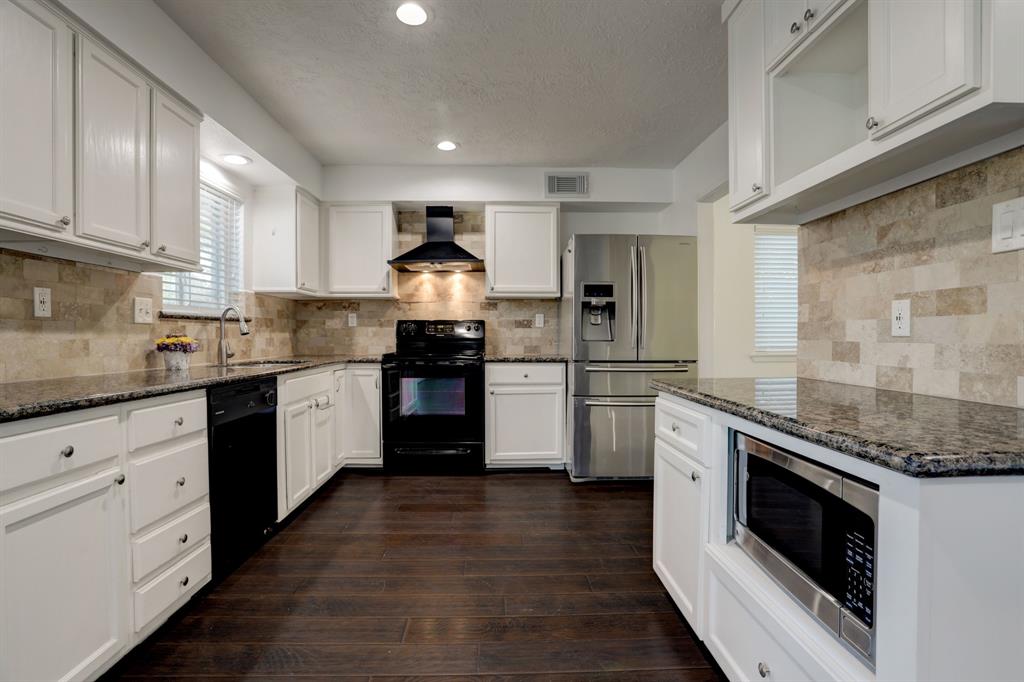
[{"x": 432, "y": 401}]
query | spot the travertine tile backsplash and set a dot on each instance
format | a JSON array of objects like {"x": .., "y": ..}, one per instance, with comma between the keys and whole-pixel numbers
[
  {"x": 322, "y": 326},
  {"x": 931, "y": 243}
]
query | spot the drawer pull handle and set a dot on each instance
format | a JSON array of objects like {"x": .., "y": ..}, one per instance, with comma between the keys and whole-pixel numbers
[
  {"x": 181, "y": 482},
  {"x": 67, "y": 450},
  {"x": 763, "y": 670},
  {"x": 120, "y": 479},
  {"x": 179, "y": 421},
  {"x": 694, "y": 476},
  {"x": 183, "y": 539},
  {"x": 675, "y": 427},
  {"x": 184, "y": 583}
]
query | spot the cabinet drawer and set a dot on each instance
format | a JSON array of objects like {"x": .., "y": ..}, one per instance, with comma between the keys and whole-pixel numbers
[
  {"x": 681, "y": 428},
  {"x": 151, "y": 425},
  {"x": 40, "y": 454},
  {"x": 170, "y": 541},
  {"x": 742, "y": 646},
  {"x": 154, "y": 597},
  {"x": 306, "y": 387},
  {"x": 166, "y": 483},
  {"x": 525, "y": 373}
]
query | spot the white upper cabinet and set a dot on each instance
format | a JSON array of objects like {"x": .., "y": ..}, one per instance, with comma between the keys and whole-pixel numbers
[
  {"x": 522, "y": 251},
  {"x": 175, "y": 181},
  {"x": 746, "y": 104},
  {"x": 307, "y": 218},
  {"x": 360, "y": 241},
  {"x": 113, "y": 149},
  {"x": 36, "y": 159},
  {"x": 783, "y": 27},
  {"x": 923, "y": 55}
]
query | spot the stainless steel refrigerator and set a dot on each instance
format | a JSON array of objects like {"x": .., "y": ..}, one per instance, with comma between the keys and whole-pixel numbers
[{"x": 628, "y": 314}]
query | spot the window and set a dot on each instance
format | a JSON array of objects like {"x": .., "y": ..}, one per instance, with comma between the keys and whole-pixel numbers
[
  {"x": 220, "y": 256},
  {"x": 775, "y": 290}
]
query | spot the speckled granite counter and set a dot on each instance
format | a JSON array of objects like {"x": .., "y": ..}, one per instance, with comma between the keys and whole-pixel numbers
[
  {"x": 913, "y": 434},
  {"x": 25, "y": 399},
  {"x": 525, "y": 358}
]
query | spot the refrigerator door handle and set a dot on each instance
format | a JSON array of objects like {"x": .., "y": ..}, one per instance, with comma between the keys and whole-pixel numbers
[
  {"x": 634, "y": 293},
  {"x": 642, "y": 325},
  {"x": 618, "y": 403},
  {"x": 647, "y": 370}
]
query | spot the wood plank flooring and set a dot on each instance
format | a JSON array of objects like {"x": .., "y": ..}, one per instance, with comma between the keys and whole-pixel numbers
[{"x": 510, "y": 577}]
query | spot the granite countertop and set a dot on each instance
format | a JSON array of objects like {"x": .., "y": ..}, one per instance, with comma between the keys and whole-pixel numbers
[
  {"x": 26, "y": 399},
  {"x": 526, "y": 358},
  {"x": 913, "y": 434}
]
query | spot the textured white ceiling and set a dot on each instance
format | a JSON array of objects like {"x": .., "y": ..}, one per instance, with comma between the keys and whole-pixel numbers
[{"x": 628, "y": 83}]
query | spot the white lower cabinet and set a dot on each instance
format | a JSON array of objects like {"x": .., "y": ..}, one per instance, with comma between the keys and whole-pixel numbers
[
  {"x": 298, "y": 451},
  {"x": 340, "y": 417},
  {"x": 362, "y": 417},
  {"x": 322, "y": 440},
  {"x": 62, "y": 601},
  {"x": 525, "y": 416},
  {"x": 680, "y": 528}
]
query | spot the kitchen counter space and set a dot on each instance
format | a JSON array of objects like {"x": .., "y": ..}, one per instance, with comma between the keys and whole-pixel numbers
[
  {"x": 525, "y": 358},
  {"x": 26, "y": 399},
  {"x": 913, "y": 434}
]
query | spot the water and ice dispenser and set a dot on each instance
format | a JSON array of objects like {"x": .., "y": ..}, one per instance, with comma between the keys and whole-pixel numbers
[{"x": 597, "y": 301}]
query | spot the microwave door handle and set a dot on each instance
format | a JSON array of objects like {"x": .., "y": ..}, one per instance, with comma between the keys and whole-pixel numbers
[{"x": 634, "y": 296}]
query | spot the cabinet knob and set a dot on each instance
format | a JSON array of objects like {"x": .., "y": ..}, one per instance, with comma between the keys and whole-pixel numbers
[
  {"x": 181, "y": 482},
  {"x": 794, "y": 28},
  {"x": 809, "y": 14},
  {"x": 179, "y": 421},
  {"x": 694, "y": 476},
  {"x": 763, "y": 670},
  {"x": 526, "y": 376},
  {"x": 144, "y": 244},
  {"x": 183, "y": 539},
  {"x": 65, "y": 221},
  {"x": 871, "y": 123},
  {"x": 120, "y": 479},
  {"x": 755, "y": 187},
  {"x": 163, "y": 247},
  {"x": 184, "y": 583},
  {"x": 675, "y": 427},
  {"x": 302, "y": 284},
  {"x": 67, "y": 450},
  {"x": 492, "y": 391}
]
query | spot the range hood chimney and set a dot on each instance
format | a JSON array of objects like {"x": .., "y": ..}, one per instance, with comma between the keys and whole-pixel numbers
[{"x": 439, "y": 253}]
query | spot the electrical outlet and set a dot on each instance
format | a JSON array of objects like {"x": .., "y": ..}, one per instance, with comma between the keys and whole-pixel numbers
[
  {"x": 538, "y": 320},
  {"x": 1008, "y": 225},
  {"x": 901, "y": 317},
  {"x": 42, "y": 304},
  {"x": 143, "y": 310},
  {"x": 353, "y": 320}
]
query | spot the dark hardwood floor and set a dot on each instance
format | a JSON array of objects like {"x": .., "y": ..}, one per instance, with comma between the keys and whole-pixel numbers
[{"x": 520, "y": 576}]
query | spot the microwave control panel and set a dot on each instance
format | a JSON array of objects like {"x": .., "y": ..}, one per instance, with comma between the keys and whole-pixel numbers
[{"x": 859, "y": 557}]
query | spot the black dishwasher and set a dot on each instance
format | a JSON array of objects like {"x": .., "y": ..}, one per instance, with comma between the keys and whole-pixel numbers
[{"x": 242, "y": 423}]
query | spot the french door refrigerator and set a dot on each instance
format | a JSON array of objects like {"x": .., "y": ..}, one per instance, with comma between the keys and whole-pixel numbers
[{"x": 628, "y": 314}]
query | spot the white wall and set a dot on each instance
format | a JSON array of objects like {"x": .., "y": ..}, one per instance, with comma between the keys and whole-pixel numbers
[
  {"x": 142, "y": 30},
  {"x": 608, "y": 223},
  {"x": 726, "y": 308},
  {"x": 702, "y": 173},
  {"x": 488, "y": 183}
]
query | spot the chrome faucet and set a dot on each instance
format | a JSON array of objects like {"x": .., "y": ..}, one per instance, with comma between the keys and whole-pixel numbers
[{"x": 223, "y": 347}]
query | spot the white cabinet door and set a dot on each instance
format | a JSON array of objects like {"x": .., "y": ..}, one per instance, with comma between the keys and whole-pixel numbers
[
  {"x": 175, "y": 181},
  {"x": 522, "y": 252},
  {"x": 784, "y": 25},
  {"x": 747, "y": 180},
  {"x": 525, "y": 424},
  {"x": 307, "y": 220},
  {"x": 340, "y": 417},
  {"x": 322, "y": 438},
  {"x": 359, "y": 245},
  {"x": 63, "y": 554},
  {"x": 680, "y": 521},
  {"x": 362, "y": 416},
  {"x": 298, "y": 452},
  {"x": 36, "y": 158},
  {"x": 113, "y": 150},
  {"x": 922, "y": 55}
]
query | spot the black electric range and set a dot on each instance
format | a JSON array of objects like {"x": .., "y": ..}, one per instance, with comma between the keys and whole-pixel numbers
[{"x": 432, "y": 411}]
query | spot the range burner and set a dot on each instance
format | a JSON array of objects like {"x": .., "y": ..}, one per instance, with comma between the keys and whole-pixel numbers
[{"x": 433, "y": 397}]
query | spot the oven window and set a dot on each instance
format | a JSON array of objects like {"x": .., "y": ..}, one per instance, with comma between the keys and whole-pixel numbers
[
  {"x": 433, "y": 396},
  {"x": 784, "y": 510}
]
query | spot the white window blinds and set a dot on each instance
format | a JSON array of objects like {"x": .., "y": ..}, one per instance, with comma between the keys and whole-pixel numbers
[
  {"x": 775, "y": 290},
  {"x": 220, "y": 256}
]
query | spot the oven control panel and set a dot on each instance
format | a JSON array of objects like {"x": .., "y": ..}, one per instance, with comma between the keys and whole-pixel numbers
[
  {"x": 859, "y": 557},
  {"x": 440, "y": 329}
]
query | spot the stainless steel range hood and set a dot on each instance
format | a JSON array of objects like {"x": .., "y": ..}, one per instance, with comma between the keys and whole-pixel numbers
[{"x": 439, "y": 253}]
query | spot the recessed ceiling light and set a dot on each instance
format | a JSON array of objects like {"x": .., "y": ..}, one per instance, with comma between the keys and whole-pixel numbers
[
  {"x": 411, "y": 14},
  {"x": 447, "y": 146},
  {"x": 236, "y": 159}
]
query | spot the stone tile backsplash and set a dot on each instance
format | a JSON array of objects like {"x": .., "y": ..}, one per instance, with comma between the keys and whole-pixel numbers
[{"x": 930, "y": 243}]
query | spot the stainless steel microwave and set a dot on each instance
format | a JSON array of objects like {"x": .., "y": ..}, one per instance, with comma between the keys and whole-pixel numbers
[{"x": 814, "y": 530}]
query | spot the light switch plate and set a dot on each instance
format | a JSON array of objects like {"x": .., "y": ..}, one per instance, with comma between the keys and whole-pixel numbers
[
  {"x": 353, "y": 320},
  {"x": 143, "y": 310},
  {"x": 42, "y": 303},
  {"x": 1008, "y": 225},
  {"x": 538, "y": 320},
  {"x": 901, "y": 317}
]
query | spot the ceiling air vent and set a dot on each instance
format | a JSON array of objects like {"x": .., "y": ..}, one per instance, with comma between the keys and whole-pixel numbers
[{"x": 567, "y": 185}]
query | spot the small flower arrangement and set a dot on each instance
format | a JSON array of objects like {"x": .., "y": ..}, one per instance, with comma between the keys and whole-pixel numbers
[{"x": 181, "y": 344}]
